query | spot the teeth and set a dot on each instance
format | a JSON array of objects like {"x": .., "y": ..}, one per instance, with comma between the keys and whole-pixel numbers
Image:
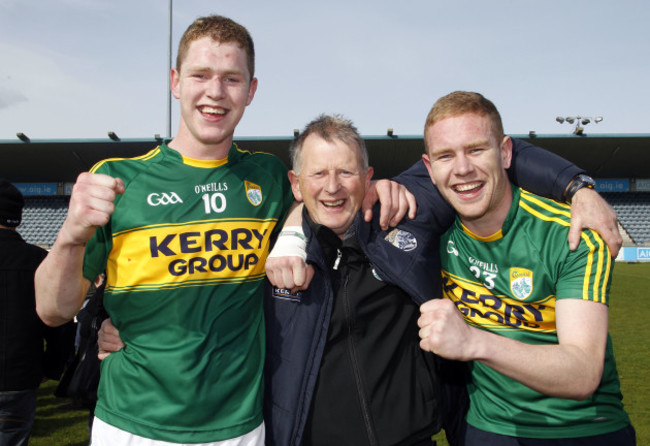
[
  {"x": 466, "y": 187},
  {"x": 333, "y": 203},
  {"x": 213, "y": 110}
]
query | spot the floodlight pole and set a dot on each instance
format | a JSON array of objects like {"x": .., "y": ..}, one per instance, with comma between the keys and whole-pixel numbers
[{"x": 169, "y": 82}]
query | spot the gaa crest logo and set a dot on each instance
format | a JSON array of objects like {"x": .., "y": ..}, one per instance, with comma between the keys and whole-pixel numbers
[
  {"x": 401, "y": 239},
  {"x": 521, "y": 282},
  {"x": 253, "y": 193}
]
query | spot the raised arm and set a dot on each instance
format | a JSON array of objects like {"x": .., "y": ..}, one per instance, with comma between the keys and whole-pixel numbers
[
  {"x": 543, "y": 173},
  {"x": 59, "y": 282},
  {"x": 550, "y": 175},
  {"x": 532, "y": 168},
  {"x": 540, "y": 171}
]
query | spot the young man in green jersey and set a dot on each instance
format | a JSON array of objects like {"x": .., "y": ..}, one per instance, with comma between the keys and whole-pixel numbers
[
  {"x": 529, "y": 314},
  {"x": 183, "y": 233}
]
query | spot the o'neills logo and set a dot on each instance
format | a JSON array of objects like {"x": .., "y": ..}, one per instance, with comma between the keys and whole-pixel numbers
[
  {"x": 521, "y": 282},
  {"x": 253, "y": 193}
]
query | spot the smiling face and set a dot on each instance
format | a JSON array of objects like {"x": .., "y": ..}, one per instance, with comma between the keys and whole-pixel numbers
[
  {"x": 467, "y": 162},
  {"x": 331, "y": 181},
  {"x": 214, "y": 87}
]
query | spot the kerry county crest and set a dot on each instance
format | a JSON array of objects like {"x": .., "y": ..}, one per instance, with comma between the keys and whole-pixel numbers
[
  {"x": 521, "y": 282},
  {"x": 253, "y": 193}
]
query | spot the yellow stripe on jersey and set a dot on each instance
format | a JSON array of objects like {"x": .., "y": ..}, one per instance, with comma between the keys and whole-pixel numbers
[
  {"x": 150, "y": 154},
  {"x": 551, "y": 206},
  {"x": 598, "y": 251},
  {"x": 538, "y": 214},
  {"x": 597, "y": 248},
  {"x": 178, "y": 255},
  {"x": 590, "y": 262}
]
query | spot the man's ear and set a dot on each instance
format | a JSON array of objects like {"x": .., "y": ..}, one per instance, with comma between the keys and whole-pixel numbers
[
  {"x": 506, "y": 152},
  {"x": 252, "y": 88},
  {"x": 427, "y": 163},
  {"x": 175, "y": 78},
  {"x": 369, "y": 173},
  {"x": 295, "y": 185}
]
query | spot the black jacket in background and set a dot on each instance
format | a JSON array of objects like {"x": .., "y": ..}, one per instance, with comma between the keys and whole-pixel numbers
[{"x": 24, "y": 361}]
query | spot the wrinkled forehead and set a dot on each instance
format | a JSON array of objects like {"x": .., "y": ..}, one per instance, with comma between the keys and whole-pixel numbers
[{"x": 331, "y": 153}]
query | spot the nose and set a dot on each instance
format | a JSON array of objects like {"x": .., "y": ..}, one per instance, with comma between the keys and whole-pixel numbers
[
  {"x": 214, "y": 88},
  {"x": 332, "y": 183},
  {"x": 463, "y": 165}
]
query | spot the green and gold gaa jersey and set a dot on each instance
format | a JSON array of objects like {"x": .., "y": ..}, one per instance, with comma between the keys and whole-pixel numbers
[
  {"x": 508, "y": 284},
  {"x": 184, "y": 253}
]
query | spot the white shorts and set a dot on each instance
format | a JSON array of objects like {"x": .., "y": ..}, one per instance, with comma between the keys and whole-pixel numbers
[{"x": 104, "y": 434}]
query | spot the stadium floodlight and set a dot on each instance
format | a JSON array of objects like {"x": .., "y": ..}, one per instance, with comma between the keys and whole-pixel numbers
[
  {"x": 21, "y": 136},
  {"x": 113, "y": 136},
  {"x": 579, "y": 122},
  {"x": 389, "y": 132}
]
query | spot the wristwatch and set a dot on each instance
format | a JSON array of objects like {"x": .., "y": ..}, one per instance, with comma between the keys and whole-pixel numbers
[{"x": 579, "y": 181}]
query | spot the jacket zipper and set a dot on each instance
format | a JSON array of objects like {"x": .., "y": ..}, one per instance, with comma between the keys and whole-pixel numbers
[
  {"x": 339, "y": 254},
  {"x": 372, "y": 439}
]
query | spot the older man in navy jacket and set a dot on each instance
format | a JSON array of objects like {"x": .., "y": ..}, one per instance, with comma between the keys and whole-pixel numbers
[{"x": 343, "y": 363}]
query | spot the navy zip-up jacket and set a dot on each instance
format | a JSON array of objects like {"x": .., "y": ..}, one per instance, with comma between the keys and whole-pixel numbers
[{"x": 297, "y": 329}]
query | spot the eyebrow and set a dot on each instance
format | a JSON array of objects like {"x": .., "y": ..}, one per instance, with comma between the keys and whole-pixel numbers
[
  {"x": 220, "y": 72},
  {"x": 481, "y": 142}
]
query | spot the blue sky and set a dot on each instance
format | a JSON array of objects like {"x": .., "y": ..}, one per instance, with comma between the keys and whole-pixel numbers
[{"x": 79, "y": 68}]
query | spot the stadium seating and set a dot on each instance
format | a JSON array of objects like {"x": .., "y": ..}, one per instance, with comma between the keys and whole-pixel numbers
[
  {"x": 633, "y": 209},
  {"x": 42, "y": 219},
  {"x": 43, "y": 216}
]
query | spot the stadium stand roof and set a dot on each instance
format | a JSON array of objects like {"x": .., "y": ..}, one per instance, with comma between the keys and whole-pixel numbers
[{"x": 603, "y": 156}]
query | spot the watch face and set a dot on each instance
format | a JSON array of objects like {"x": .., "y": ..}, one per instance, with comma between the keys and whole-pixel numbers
[
  {"x": 579, "y": 181},
  {"x": 587, "y": 181}
]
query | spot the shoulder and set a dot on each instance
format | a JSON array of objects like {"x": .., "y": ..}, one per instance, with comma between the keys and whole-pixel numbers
[
  {"x": 547, "y": 228},
  {"x": 127, "y": 167},
  {"x": 544, "y": 210},
  {"x": 263, "y": 169},
  {"x": 263, "y": 160}
]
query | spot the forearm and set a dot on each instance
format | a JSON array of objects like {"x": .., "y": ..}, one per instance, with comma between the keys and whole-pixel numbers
[
  {"x": 540, "y": 171},
  {"x": 294, "y": 216},
  {"x": 563, "y": 371},
  {"x": 59, "y": 284}
]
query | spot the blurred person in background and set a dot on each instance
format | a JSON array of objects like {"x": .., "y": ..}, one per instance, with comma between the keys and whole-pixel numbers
[{"x": 25, "y": 359}]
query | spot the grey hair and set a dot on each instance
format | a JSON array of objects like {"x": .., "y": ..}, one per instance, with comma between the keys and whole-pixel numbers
[{"x": 329, "y": 127}]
